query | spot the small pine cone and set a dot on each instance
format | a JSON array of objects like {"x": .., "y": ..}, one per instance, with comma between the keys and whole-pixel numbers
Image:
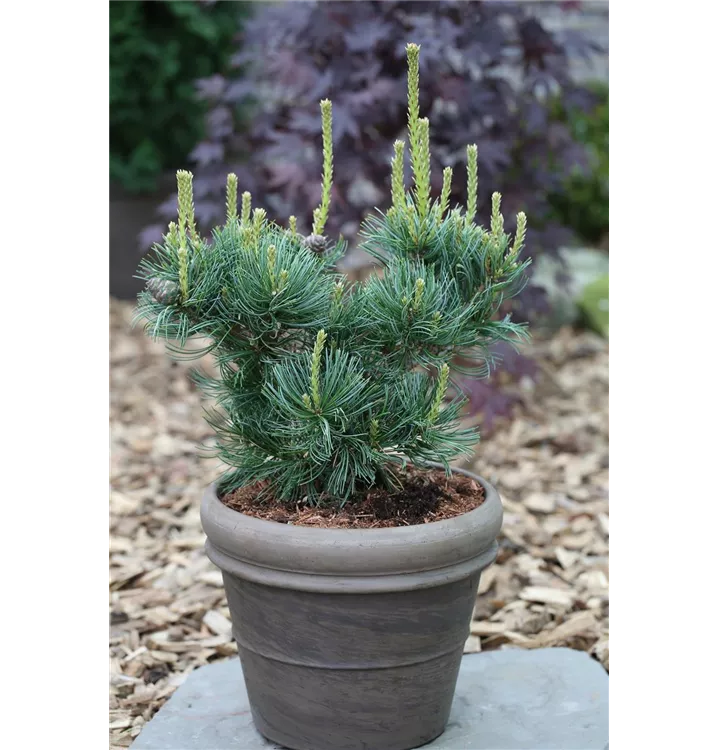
[
  {"x": 165, "y": 291},
  {"x": 317, "y": 243}
]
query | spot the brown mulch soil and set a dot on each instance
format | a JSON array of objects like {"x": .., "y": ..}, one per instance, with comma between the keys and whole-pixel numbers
[
  {"x": 425, "y": 496},
  {"x": 168, "y": 612}
]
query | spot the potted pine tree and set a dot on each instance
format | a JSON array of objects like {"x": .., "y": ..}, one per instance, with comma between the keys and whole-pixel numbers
[{"x": 350, "y": 551}]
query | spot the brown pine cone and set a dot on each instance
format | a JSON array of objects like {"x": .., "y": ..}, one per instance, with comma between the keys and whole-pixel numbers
[
  {"x": 165, "y": 291},
  {"x": 317, "y": 243}
]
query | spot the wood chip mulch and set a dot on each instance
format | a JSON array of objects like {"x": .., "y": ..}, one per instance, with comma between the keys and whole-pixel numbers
[{"x": 168, "y": 612}]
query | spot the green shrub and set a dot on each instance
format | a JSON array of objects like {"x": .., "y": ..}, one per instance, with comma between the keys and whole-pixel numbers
[
  {"x": 325, "y": 387},
  {"x": 583, "y": 204},
  {"x": 157, "y": 51}
]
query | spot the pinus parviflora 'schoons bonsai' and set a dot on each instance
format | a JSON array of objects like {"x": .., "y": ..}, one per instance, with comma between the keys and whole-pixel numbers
[{"x": 325, "y": 387}]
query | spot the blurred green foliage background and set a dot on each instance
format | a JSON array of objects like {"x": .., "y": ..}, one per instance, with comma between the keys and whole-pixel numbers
[
  {"x": 584, "y": 204},
  {"x": 157, "y": 51}
]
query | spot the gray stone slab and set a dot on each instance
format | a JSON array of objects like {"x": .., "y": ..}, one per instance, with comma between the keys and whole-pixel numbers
[{"x": 547, "y": 699}]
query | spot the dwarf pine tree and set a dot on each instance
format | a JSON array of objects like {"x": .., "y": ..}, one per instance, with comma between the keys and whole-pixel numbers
[{"x": 326, "y": 387}]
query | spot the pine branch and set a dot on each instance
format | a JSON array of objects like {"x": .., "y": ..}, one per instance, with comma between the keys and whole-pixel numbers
[
  {"x": 398, "y": 194},
  {"x": 445, "y": 191},
  {"x": 231, "y": 197},
  {"x": 246, "y": 207},
  {"x": 472, "y": 172},
  {"x": 322, "y": 213}
]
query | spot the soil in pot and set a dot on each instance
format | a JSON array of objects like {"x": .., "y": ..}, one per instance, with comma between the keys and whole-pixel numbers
[{"x": 426, "y": 495}]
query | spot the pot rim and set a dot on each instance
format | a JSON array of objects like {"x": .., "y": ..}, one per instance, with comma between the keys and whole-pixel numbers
[{"x": 236, "y": 542}]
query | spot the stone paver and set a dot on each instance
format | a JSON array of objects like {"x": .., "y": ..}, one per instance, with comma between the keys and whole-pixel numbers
[{"x": 546, "y": 699}]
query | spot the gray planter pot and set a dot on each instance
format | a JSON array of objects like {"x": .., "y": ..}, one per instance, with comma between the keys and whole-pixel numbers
[{"x": 351, "y": 639}]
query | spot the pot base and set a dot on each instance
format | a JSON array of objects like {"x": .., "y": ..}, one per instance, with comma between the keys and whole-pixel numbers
[
  {"x": 277, "y": 740},
  {"x": 325, "y": 709}
]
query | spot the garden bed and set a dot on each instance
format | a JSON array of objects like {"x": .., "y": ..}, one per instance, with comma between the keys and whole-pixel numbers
[{"x": 168, "y": 613}]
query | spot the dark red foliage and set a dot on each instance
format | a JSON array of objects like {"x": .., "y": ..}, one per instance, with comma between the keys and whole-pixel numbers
[
  {"x": 485, "y": 71},
  {"x": 489, "y": 397}
]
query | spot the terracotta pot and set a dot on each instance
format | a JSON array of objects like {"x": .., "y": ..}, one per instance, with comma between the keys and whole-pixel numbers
[{"x": 351, "y": 638}]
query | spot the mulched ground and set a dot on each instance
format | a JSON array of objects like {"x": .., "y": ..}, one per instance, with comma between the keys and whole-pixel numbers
[{"x": 168, "y": 613}]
